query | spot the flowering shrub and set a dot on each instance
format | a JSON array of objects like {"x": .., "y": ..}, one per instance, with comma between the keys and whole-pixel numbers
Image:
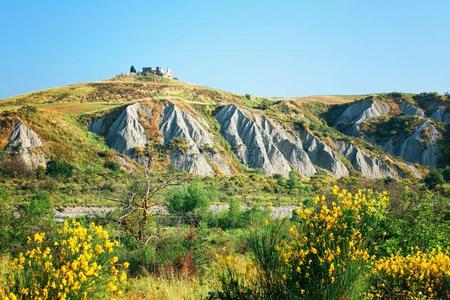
[
  {"x": 79, "y": 264},
  {"x": 327, "y": 253},
  {"x": 415, "y": 276}
]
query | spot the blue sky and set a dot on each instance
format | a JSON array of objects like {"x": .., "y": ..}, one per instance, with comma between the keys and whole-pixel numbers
[{"x": 272, "y": 48}]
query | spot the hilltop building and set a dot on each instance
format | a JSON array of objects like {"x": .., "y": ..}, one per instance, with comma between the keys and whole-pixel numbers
[{"x": 166, "y": 73}]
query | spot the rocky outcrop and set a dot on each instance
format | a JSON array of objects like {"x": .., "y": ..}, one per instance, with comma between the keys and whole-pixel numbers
[
  {"x": 368, "y": 166},
  {"x": 422, "y": 146},
  {"x": 126, "y": 132},
  {"x": 323, "y": 155},
  {"x": 357, "y": 112},
  {"x": 263, "y": 144},
  {"x": 407, "y": 108},
  {"x": 24, "y": 147},
  {"x": 176, "y": 124},
  {"x": 441, "y": 114}
]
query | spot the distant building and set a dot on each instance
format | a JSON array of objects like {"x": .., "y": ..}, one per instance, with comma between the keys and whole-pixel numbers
[{"x": 167, "y": 73}]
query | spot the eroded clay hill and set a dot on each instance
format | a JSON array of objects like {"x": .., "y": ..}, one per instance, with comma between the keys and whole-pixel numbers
[
  {"x": 410, "y": 127},
  {"x": 208, "y": 132},
  {"x": 255, "y": 140}
]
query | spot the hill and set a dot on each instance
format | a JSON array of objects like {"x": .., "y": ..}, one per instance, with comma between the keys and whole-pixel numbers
[{"x": 107, "y": 129}]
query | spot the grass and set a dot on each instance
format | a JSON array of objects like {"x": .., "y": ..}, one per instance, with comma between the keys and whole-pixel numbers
[{"x": 167, "y": 287}]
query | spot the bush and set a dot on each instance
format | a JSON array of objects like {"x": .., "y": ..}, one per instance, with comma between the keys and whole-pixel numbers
[
  {"x": 231, "y": 218},
  {"x": 77, "y": 264},
  {"x": 446, "y": 174},
  {"x": 59, "y": 169},
  {"x": 292, "y": 182},
  {"x": 180, "y": 251},
  {"x": 415, "y": 276},
  {"x": 113, "y": 166},
  {"x": 189, "y": 198},
  {"x": 325, "y": 253},
  {"x": 35, "y": 215},
  {"x": 236, "y": 217},
  {"x": 40, "y": 172},
  {"x": 417, "y": 220},
  {"x": 3, "y": 194},
  {"x": 434, "y": 178}
]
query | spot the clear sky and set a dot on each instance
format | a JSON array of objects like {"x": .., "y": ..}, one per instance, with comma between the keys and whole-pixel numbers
[{"x": 272, "y": 48}]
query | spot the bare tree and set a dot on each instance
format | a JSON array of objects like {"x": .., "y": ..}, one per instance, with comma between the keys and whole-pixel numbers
[{"x": 135, "y": 214}]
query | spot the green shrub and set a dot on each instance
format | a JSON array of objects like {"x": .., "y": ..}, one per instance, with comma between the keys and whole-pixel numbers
[
  {"x": 182, "y": 251},
  {"x": 32, "y": 216},
  {"x": 3, "y": 194},
  {"x": 40, "y": 172},
  {"x": 59, "y": 169},
  {"x": 446, "y": 174},
  {"x": 231, "y": 218},
  {"x": 189, "y": 201},
  {"x": 292, "y": 182},
  {"x": 113, "y": 166},
  {"x": 434, "y": 178},
  {"x": 323, "y": 255},
  {"x": 77, "y": 263},
  {"x": 417, "y": 220}
]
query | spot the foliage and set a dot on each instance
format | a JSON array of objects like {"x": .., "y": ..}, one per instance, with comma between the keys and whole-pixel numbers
[
  {"x": 177, "y": 251},
  {"x": 27, "y": 110},
  {"x": 446, "y": 174},
  {"x": 415, "y": 220},
  {"x": 77, "y": 264},
  {"x": 324, "y": 255},
  {"x": 419, "y": 275},
  {"x": 292, "y": 182},
  {"x": 236, "y": 217},
  {"x": 434, "y": 178},
  {"x": 232, "y": 218},
  {"x": 170, "y": 286},
  {"x": 132, "y": 69},
  {"x": 3, "y": 194},
  {"x": 113, "y": 166},
  {"x": 36, "y": 215},
  {"x": 188, "y": 198},
  {"x": 40, "y": 172},
  {"x": 59, "y": 169}
]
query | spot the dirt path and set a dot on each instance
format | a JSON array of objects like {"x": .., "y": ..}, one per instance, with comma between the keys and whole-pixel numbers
[{"x": 76, "y": 211}]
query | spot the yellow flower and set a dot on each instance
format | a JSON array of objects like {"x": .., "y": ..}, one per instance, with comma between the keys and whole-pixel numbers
[
  {"x": 99, "y": 249},
  {"x": 39, "y": 237}
]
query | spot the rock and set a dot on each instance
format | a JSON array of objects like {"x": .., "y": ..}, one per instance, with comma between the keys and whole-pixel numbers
[
  {"x": 192, "y": 162},
  {"x": 369, "y": 167},
  {"x": 126, "y": 132},
  {"x": 407, "y": 170},
  {"x": 263, "y": 144},
  {"x": 322, "y": 155},
  {"x": 422, "y": 146},
  {"x": 22, "y": 137},
  {"x": 358, "y": 112},
  {"x": 24, "y": 147},
  {"x": 441, "y": 114},
  {"x": 408, "y": 109},
  {"x": 178, "y": 124}
]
